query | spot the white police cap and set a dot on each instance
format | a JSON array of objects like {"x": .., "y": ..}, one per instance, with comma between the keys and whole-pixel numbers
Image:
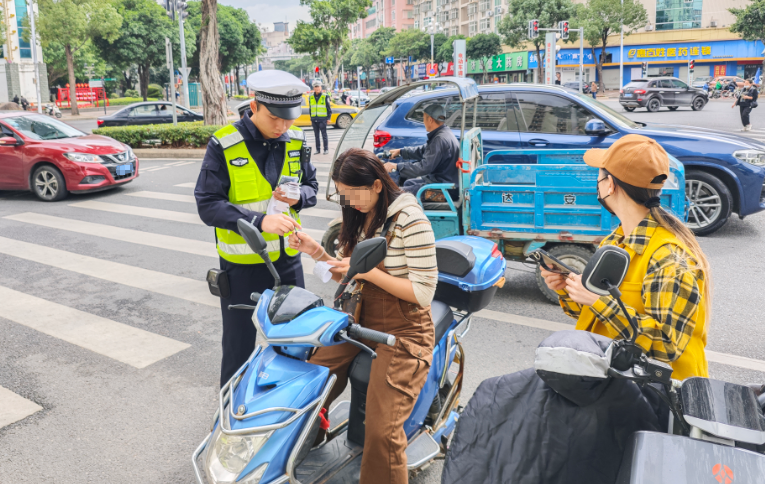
[{"x": 279, "y": 91}]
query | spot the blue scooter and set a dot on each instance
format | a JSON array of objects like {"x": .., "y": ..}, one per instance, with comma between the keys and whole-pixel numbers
[{"x": 270, "y": 411}]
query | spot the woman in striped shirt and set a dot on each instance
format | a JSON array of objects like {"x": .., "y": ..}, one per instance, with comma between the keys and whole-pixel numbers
[{"x": 395, "y": 299}]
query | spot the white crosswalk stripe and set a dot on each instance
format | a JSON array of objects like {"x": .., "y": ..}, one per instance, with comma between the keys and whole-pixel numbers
[
  {"x": 186, "y": 185},
  {"x": 173, "y": 197},
  {"x": 129, "y": 345},
  {"x": 14, "y": 407},
  {"x": 158, "y": 213}
]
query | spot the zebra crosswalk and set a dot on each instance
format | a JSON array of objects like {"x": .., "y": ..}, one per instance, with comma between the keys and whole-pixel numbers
[{"x": 122, "y": 218}]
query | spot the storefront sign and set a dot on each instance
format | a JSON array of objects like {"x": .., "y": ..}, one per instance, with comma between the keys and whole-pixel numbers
[
  {"x": 665, "y": 52},
  {"x": 720, "y": 70},
  {"x": 514, "y": 61},
  {"x": 549, "y": 59}
]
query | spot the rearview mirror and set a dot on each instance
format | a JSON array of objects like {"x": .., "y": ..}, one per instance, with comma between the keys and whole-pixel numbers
[
  {"x": 251, "y": 235},
  {"x": 367, "y": 255},
  {"x": 7, "y": 141},
  {"x": 606, "y": 270},
  {"x": 595, "y": 127}
]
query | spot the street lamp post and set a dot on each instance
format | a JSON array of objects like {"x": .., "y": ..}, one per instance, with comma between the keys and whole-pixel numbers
[
  {"x": 34, "y": 55},
  {"x": 621, "y": 48},
  {"x": 182, "y": 14}
]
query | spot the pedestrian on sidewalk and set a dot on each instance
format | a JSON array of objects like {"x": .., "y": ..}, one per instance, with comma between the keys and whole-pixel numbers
[
  {"x": 321, "y": 112},
  {"x": 746, "y": 101},
  {"x": 594, "y": 90}
]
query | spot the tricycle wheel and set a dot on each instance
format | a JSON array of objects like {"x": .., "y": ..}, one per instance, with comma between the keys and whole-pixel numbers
[
  {"x": 574, "y": 256},
  {"x": 330, "y": 240}
]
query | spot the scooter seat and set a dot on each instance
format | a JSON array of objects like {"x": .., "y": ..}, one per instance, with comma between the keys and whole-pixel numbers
[
  {"x": 362, "y": 364},
  {"x": 441, "y": 205}
]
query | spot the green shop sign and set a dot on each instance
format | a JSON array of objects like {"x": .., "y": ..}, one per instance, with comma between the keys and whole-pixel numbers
[{"x": 513, "y": 61}]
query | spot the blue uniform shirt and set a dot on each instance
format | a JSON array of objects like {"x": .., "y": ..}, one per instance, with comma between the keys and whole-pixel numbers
[{"x": 214, "y": 183}]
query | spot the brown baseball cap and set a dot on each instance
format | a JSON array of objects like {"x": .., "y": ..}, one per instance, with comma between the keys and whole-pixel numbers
[{"x": 634, "y": 159}]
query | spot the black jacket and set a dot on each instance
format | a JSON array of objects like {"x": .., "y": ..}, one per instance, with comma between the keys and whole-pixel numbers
[{"x": 435, "y": 161}]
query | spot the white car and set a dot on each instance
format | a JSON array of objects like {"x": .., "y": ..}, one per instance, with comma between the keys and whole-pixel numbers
[{"x": 356, "y": 95}]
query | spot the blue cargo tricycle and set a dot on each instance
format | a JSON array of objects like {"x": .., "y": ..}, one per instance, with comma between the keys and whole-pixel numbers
[{"x": 549, "y": 202}]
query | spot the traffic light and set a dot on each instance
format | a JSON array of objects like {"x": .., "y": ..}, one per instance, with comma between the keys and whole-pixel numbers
[
  {"x": 690, "y": 65},
  {"x": 645, "y": 69},
  {"x": 563, "y": 27},
  {"x": 533, "y": 29},
  {"x": 316, "y": 69},
  {"x": 180, "y": 7},
  {"x": 170, "y": 8}
]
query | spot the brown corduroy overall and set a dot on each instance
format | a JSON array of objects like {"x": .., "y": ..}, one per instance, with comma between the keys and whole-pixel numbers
[{"x": 398, "y": 374}]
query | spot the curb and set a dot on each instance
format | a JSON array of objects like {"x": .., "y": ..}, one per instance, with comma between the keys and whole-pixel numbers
[{"x": 162, "y": 154}]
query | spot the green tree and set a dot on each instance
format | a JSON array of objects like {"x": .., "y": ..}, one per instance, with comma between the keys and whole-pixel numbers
[
  {"x": 483, "y": 47},
  {"x": 412, "y": 43},
  {"x": 55, "y": 62},
  {"x": 72, "y": 23},
  {"x": 327, "y": 33},
  {"x": 445, "y": 51},
  {"x": 601, "y": 18},
  {"x": 514, "y": 26},
  {"x": 297, "y": 66},
  {"x": 141, "y": 39},
  {"x": 750, "y": 22}
]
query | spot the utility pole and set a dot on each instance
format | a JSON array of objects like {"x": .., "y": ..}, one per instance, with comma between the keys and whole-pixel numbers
[
  {"x": 169, "y": 56},
  {"x": 34, "y": 55},
  {"x": 176, "y": 10},
  {"x": 621, "y": 49}
]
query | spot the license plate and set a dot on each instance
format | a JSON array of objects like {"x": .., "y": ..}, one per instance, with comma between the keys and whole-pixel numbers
[
  {"x": 628, "y": 95},
  {"x": 123, "y": 170}
]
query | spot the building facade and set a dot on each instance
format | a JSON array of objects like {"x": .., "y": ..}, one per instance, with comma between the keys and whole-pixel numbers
[
  {"x": 17, "y": 73},
  {"x": 459, "y": 17},
  {"x": 398, "y": 14},
  {"x": 275, "y": 42}
]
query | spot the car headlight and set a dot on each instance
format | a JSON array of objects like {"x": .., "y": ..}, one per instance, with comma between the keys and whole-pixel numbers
[
  {"x": 83, "y": 157},
  {"x": 755, "y": 157},
  {"x": 130, "y": 154},
  {"x": 228, "y": 455}
]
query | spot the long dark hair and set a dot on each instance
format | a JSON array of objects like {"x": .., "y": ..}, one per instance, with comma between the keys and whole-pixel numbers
[
  {"x": 675, "y": 226},
  {"x": 361, "y": 168}
]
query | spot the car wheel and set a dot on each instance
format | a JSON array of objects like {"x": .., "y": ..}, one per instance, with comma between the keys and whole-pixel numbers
[
  {"x": 698, "y": 104},
  {"x": 673, "y": 108},
  {"x": 331, "y": 239},
  {"x": 574, "y": 256},
  {"x": 48, "y": 184},
  {"x": 629, "y": 109},
  {"x": 343, "y": 121},
  {"x": 709, "y": 200},
  {"x": 653, "y": 105}
]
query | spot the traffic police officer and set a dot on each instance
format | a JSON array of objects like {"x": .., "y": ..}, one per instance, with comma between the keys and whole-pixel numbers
[
  {"x": 321, "y": 112},
  {"x": 240, "y": 173}
]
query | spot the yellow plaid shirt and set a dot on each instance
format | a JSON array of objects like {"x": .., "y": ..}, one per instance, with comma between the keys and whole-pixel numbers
[{"x": 671, "y": 296}]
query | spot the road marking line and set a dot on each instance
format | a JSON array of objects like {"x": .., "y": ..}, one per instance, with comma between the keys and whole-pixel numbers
[
  {"x": 713, "y": 356},
  {"x": 158, "y": 168},
  {"x": 174, "y": 163},
  {"x": 132, "y": 346},
  {"x": 170, "y": 242},
  {"x": 187, "y": 163},
  {"x": 186, "y": 185},
  {"x": 14, "y": 407},
  {"x": 320, "y": 212},
  {"x": 173, "y": 197},
  {"x": 167, "y": 284},
  {"x": 191, "y": 218}
]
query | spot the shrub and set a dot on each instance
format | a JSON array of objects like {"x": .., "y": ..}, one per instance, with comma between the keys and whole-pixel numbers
[
  {"x": 124, "y": 101},
  {"x": 184, "y": 135},
  {"x": 243, "y": 96},
  {"x": 132, "y": 93},
  {"x": 155, "y": 90}
]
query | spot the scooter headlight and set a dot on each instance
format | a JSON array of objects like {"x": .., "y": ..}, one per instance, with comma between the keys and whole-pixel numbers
[{"x": 228, "y": 455}]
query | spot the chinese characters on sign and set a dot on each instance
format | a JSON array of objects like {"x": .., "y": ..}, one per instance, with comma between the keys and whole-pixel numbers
[
  {"x": 460, "y": 57},
  {"x": 669, "y": 52}
]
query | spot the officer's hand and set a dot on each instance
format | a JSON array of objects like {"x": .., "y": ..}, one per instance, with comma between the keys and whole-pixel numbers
[
  {"x": 279, "y": 195},
  {"x": 278, "y": 224},
  {"x": 394, "y": 153},
  {"x": 304, "y": 243},
  {"x": 389, "y": 167}
]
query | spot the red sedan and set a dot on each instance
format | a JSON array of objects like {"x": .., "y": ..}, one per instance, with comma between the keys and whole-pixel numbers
[{"x": 52, "y": 159}]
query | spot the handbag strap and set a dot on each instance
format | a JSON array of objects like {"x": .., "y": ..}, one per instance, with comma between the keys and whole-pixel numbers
[{"x": 386, "y": 227}]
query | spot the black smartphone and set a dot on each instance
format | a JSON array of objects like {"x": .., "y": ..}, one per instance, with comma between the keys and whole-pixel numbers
[{"x": 550, "y": 263}]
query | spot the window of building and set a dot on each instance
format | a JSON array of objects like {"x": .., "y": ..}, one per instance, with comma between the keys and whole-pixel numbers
[
  {"x": 484, "y": 5},
  {"x": 455, "y": 31},
  {"x": 410, "y": 2},
  {"x": 372, "y": 23},
  {"x": 497, "y": 20},
  {"x": 472, "y": 9},
  {"x": 427, "y": 21},
  {"x": 543, "y": 113},
  {"x": 677, "y": 14},
  {"x": 25, "y": 50},
  {"x": 454, "y": 13},
  {"x": 417, "y": 24},
  {"x": 473, "y": 27},
  {"x": 408, "y": 13},
  {"x": 393, "y": 16}
]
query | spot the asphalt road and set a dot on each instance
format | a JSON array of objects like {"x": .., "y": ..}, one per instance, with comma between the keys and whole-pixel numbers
[{"x": 111, "y": 342}]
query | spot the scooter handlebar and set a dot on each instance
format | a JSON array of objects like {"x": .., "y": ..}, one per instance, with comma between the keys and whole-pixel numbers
[{"x": 359, "y": 332}]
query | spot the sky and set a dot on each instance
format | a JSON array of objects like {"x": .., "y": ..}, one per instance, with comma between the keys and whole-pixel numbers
[{"x": 266, "y": 12}]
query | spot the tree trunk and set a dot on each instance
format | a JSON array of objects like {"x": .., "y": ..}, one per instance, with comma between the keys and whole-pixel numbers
[
  {"x": 143, "y": 75},
  {"x": 72, "y": 80},
  {"x": 213, "y": 95},
  {"x": 539, "y": 66},
  {"x": 238, "y": 81},
  {"x": 599, "y": 65}
]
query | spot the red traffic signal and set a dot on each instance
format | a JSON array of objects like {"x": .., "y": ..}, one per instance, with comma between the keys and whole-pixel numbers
[
  {"x": 690, "y": 65},
  {"x": 535, "y": 26},
  {"x": 316, "y": 69}
]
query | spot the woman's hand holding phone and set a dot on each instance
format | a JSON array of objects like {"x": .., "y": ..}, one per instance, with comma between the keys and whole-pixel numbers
[
  {"x": 577, "y": 292},
  {"x": 555, "y": 281}
]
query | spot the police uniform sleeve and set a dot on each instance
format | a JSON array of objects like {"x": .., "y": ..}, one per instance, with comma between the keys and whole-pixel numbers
[
  {"x": 211, "y": 193},
  {"x": 309, "y": 187},
  {"x": 329, "y": 107}
]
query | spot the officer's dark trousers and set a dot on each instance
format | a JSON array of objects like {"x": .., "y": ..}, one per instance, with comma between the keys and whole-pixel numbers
[
  {"x": 238, "y": 327},
  {"x": 745, "y": 111},
  {"x": 320, "y": 126}
]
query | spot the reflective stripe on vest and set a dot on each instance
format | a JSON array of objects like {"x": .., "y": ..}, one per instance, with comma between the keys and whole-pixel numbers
[
  {"x": 318, "y": 108},
  {"x": 250, "y": 190},
  {"x": 692, "y": 362}
]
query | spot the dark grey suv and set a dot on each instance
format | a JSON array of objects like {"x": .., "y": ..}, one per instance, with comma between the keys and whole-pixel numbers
[{"x": 655, "y": 92}]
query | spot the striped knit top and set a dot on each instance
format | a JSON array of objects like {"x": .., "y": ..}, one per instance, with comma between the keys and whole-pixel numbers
[{"x": 412, "y": 249}]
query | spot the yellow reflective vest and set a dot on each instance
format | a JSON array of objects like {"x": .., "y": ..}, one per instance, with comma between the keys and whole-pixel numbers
[
  {"x": 251, "y": 190},
  {"x": 318, "y": 108},
  {"x": 693, "y": 360}
]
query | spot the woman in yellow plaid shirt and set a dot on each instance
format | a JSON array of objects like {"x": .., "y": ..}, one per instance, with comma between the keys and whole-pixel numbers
[{"x": 667, "y": 286}]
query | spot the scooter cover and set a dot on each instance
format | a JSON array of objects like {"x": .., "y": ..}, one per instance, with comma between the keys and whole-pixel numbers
[{"x": 517, "y": 429}]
